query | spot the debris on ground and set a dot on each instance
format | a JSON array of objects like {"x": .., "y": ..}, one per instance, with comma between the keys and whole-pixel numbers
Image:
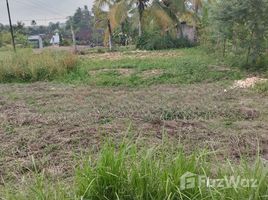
[{"x": 248, "y": 83}]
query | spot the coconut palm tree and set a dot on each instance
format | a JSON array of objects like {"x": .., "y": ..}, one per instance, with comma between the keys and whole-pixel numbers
[
  {"x": 115, "y": 16},
  {"x": 141, "y": 5},
  {"x": 168, "y": 13},
  {"x": 178, "y": 10}
]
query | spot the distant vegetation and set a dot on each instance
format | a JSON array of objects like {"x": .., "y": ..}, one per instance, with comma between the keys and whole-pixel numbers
[
  {"x": 26, "y": 66},
  {"x": 235, "y": 30},
  {"x": 126, "y": 68}
]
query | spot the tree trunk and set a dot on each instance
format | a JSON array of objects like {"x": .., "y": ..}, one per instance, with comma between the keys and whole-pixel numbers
[
  {"x": 196, "y": 10},
  {"x": 140, "y": 25},
  {"x": 179, "y": 31},
  {"x": 249, "y": 47},
  {"x": 224, "y": 47},
  {"x": 110, "y": 35}
]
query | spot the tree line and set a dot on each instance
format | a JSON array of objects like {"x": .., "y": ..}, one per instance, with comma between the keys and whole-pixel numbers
[{"x": 233, "y": 28}]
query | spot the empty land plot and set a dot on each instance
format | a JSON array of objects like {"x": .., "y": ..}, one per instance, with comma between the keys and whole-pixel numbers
[{"x": 184, "y": 97}]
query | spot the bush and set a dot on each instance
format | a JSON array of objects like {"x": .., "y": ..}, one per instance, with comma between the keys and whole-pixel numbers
[
  {"x": 155, "y": 41},
  {"x": 26, "y": 66},
  {"x": 236, "y": 28}
]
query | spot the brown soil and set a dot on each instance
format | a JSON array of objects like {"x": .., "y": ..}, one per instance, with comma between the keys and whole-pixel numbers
[
  {"x": 55, "y": 123},
  {"x": 121, "y": 71},
  {"x": 152, "y": 73}
]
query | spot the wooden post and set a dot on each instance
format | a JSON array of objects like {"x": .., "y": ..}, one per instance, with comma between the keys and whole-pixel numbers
[
  {"x": 73, "y": 37},
  {"x": 11, "y": 27}
]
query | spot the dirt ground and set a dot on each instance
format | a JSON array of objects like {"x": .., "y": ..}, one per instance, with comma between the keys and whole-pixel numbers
[{"x": 56, "y": 123}]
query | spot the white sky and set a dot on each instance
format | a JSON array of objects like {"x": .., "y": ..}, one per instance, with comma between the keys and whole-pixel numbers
[{"x": 43, "y": 11}]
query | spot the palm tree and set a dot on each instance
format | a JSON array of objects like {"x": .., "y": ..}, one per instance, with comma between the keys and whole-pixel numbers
[
  {"x": 168, "y": 14},
  {"x": 33, "y": 23},
  {"x": 115, "y": 16},
  {"x": 141, "y": 5},
  {"x": 178, "y": 10}
]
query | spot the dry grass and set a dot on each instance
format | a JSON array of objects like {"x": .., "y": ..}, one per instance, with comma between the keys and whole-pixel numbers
[
  {"x": 138, "y": 54},
  {"x": 25, "y": 66},
  {"x": 57, "y": 122},
  {"x": 186, "y": 101}
]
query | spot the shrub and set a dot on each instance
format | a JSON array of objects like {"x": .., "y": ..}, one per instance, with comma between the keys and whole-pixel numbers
[
  {"x": 26, "y": 66},
  {"x": 237, "y": 28},
  {"x": 155, "y": 41}
]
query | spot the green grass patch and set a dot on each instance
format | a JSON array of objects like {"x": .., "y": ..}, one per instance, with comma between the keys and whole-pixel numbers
[
  {"x": 128, "y": 171},
  {"x": 186, "y": 66},
  {"x": 183, "y": 66},
  {"x": 262, "y": 87}
]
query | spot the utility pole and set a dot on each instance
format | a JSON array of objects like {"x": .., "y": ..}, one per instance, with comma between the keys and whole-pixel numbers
[
  {"x": 11, "y": 27},
  {"x": 73, "y": 36},
  {"x": 74, "y": 39}
]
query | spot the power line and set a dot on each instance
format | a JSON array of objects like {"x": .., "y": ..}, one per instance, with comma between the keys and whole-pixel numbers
[
  {"x": 43, "y": 19},
  {"x": 42, "y": 3},
  {"x": 41, "y": 7}
]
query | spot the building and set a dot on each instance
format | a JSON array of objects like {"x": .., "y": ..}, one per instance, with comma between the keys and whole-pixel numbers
[
  {"x": 55, "y": 40},
  {"x": 36, "y": 41}
]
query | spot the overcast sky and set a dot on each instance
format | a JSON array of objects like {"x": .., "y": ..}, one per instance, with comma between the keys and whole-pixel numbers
[{"x": 43, "y": 11}]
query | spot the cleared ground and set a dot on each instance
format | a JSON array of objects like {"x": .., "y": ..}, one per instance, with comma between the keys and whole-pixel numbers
[
  {"x": 54, "y": 123},
  {"x": 182, "y": 95}
]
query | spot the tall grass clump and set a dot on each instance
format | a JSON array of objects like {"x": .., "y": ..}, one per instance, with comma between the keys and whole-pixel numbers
[
  {"x": 128, "y": 172},
  {"x": 26, "y": 66},
  {"x": 132, "y": 172}
]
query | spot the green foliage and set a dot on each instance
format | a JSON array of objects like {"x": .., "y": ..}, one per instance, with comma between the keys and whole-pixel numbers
[
  {"x": 262, "y": 88},
  {"x": 124, "y": 172},
  {"x": 129, "y": 171},
  {"x": 1, "y": 39},
  {"x": 82, "y": 23},
  {"x": 39, "y": 188},
  {"x": 239, "y": 27},
  {"x": 184, "y": 66},
  {"x": 25, "y": 66},
  {"x": 5, "y": 39},
  {"x": 155, "y": 41}
]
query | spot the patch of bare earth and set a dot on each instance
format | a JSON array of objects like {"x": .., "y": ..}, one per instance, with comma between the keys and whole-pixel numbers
[
  {"x": 152, "y": 73},
  {"x": 121, "y": 71},
  {"x": 248, "y": 83},
  {"x": 55, "y": 123},
  {"x": 133, "y": 55}
]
